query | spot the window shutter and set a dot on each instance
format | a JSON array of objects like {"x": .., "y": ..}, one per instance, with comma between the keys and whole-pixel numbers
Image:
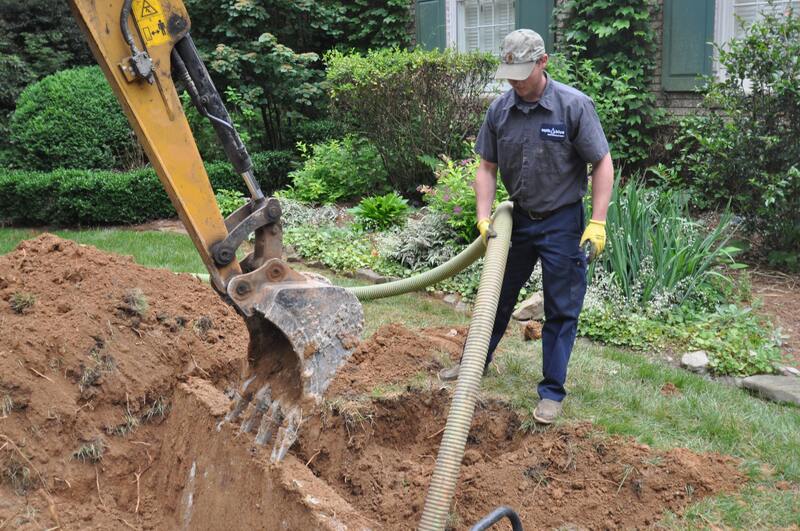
[
  {"x": 687, "y": 51},
  {"x": 536, "y": 15},
  {"x": 431, "y": 24}
]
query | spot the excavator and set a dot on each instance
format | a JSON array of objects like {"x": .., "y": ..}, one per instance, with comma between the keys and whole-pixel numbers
[{"x": 301, "y": 328}]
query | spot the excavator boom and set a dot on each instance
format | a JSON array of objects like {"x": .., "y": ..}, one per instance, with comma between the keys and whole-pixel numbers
[{"x": 301, "y": 327}]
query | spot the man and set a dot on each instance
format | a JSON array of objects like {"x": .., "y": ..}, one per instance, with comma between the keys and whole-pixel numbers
[{"x": 541, "y": 135}]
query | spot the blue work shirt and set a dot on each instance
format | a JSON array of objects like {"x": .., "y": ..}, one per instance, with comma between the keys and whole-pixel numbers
[{"x": 542, "y": 148}]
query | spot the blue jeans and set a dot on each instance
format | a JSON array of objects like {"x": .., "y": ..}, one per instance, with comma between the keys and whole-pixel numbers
[{"x": 555, "y": 241}]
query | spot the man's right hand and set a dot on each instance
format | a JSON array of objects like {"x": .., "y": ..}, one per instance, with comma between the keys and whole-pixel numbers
[{"x": 486, "y": 230}]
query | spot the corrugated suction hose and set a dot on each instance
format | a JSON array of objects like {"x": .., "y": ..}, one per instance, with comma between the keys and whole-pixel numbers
[{"x": 459, "y": 420}]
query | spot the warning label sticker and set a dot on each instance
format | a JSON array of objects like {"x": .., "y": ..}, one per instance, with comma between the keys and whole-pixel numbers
[{"x": 151, "y": 21}]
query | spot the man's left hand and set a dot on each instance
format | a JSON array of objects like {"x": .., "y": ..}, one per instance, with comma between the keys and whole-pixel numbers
[{"x": 595, "y": 234}]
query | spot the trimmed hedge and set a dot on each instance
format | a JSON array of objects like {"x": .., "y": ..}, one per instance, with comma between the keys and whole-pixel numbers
[
  {"x": 87, "y": 197},
  {"x": 71, "y": 119}
]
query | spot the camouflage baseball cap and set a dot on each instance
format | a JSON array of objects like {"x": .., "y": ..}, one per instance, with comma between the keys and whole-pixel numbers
[{"x": 518, "y": 54}]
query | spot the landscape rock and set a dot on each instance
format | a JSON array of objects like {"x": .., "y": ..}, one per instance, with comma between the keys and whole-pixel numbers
[
  {"x": 462, "y": 307},
  {"x": 774, "y": 387},
  {"x": 370, "y": 276},
  {"x": 451, "y": 298},
  {"x": 530, "y": 308},
  {"x": 789, "y": 371},
  {"x": 696, "y": 361}
]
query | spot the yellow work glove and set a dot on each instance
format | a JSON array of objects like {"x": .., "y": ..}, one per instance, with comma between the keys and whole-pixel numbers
[
  {"x": 486, "y": 230},
  {"x": 595, "y": 238}
]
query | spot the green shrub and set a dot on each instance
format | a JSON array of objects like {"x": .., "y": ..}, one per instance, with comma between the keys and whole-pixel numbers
[
  {"x": 454, "y": 195},
  {"x": 424, "y": 242},
  {"x": 381, "y": 212},
  {"x": 338, "y": 170},
  {"x": 86, "y": 197},
  {"x": 744, "y": 148},
  {"x": 318, "y": 131},
  {"x": 410, "y": 104},
  {"x": 271, "y": 169},
  {"x": 229, "y": 201},
  {"x": 338, "y": 248},
  {"x": 71, "y": 119}
]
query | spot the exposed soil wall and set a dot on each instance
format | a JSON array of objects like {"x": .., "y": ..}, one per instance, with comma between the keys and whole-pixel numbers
[{"x": 113, "y": 379}]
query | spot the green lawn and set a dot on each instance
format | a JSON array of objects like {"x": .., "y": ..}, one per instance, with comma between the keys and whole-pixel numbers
[{"x": 615, "y": 389}]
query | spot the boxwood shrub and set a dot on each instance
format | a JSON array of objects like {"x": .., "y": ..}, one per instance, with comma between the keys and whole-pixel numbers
[{"x": 89, "y": 197}]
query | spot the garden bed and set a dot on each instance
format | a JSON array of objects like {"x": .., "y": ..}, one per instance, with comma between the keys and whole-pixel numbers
[{"x": 113, "y": 378}]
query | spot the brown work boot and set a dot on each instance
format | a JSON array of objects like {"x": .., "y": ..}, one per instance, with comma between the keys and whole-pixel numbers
[
  {"x": 451, "y": 374},
  {"x": 547, "y": 411}
]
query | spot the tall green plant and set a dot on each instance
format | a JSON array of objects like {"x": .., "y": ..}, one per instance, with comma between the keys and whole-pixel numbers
[
  {"x": 655, "y": 252},
  {"x": 619, "y": 39}
]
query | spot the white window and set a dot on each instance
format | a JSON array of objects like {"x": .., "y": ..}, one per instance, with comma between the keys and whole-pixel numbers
[
  {"x": 482, "y": 24},
  {"x": 732, "y": 13}
]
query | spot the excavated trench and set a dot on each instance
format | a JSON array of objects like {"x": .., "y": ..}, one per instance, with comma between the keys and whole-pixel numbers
[{"x": 113, "y": 380}]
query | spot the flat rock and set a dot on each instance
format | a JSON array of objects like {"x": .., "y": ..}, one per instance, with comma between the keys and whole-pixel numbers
[
  {"x": 696, "y": 361},
  {"x": 451, "y": 298},
  {"x": 789, "y": 371},
  {"x": 370, "y": 276},
  {"x": 775, "y": 388},
  {"x": 530, "y": 308}
]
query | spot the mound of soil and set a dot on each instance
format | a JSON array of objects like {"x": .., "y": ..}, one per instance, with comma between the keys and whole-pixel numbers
[
  {"x": 565, "y": 477},
  {"x": 91, "y": 347},
  {"x": 114, "y": 379},
  {"x": 395, "y": 354}
]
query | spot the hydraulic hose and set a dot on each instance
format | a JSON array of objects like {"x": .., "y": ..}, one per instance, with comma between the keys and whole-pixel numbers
[{"x": 459, "y": 419}]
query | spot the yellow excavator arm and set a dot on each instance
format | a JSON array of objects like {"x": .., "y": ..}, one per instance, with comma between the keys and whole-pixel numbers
[{"x": 301, "y": 327}]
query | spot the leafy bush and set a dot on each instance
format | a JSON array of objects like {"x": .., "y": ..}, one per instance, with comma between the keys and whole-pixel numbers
[
  {"x": 744, "y": 150},
  {"x": 610, "y": 47},
  {"x": 86, "y": 197},
  {"x": 71, "y": 119},
  {"x": 338, "y": 248},
  {"x": 229, "y": 201},
  {"x": 338, "y": 170},
  {"x": 296, "y": 213},
  {"x": 454, "y": 195},
  {"x": 424, "y": 242},
  {"x": 316, "y": 131},
  {"x": 380, "y": 212},
  {"x": 271, "y": 169},
  {"x": 410, "y": 104}
]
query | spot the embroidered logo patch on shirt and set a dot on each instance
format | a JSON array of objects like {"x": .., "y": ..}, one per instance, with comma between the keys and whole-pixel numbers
[{"x": 553, "y": 132}]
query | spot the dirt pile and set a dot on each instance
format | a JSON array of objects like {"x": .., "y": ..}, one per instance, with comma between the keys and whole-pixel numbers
[
  {"x": 380, "y": 458},
  {"x": 114, "y": 379},
  {"x": 91, "y": 348},
  {"x": 394, "y": 354}
]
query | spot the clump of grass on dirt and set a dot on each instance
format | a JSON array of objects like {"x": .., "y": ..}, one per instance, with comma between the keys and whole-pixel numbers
[
  {"x": 129, "y": 425},
  {"x": 6, "y": 405},
  {"x": 202, "y": 325},
  {"x": 91, "y": 451},
  {"x": 99, "y": 363},
  {"x": 15, "y": 473},
  {"x": 157, "y": 410},
  {"x": 22, "y": 301},
  {"x": 356, "y": 413},
  {"x": 134, "y": 303}
]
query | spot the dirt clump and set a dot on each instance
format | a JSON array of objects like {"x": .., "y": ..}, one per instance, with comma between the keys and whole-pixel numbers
[{"x": 395, "y": 353}]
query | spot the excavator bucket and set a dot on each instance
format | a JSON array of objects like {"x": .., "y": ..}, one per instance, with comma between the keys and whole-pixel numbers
[{"x": 302, "y": 329}]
